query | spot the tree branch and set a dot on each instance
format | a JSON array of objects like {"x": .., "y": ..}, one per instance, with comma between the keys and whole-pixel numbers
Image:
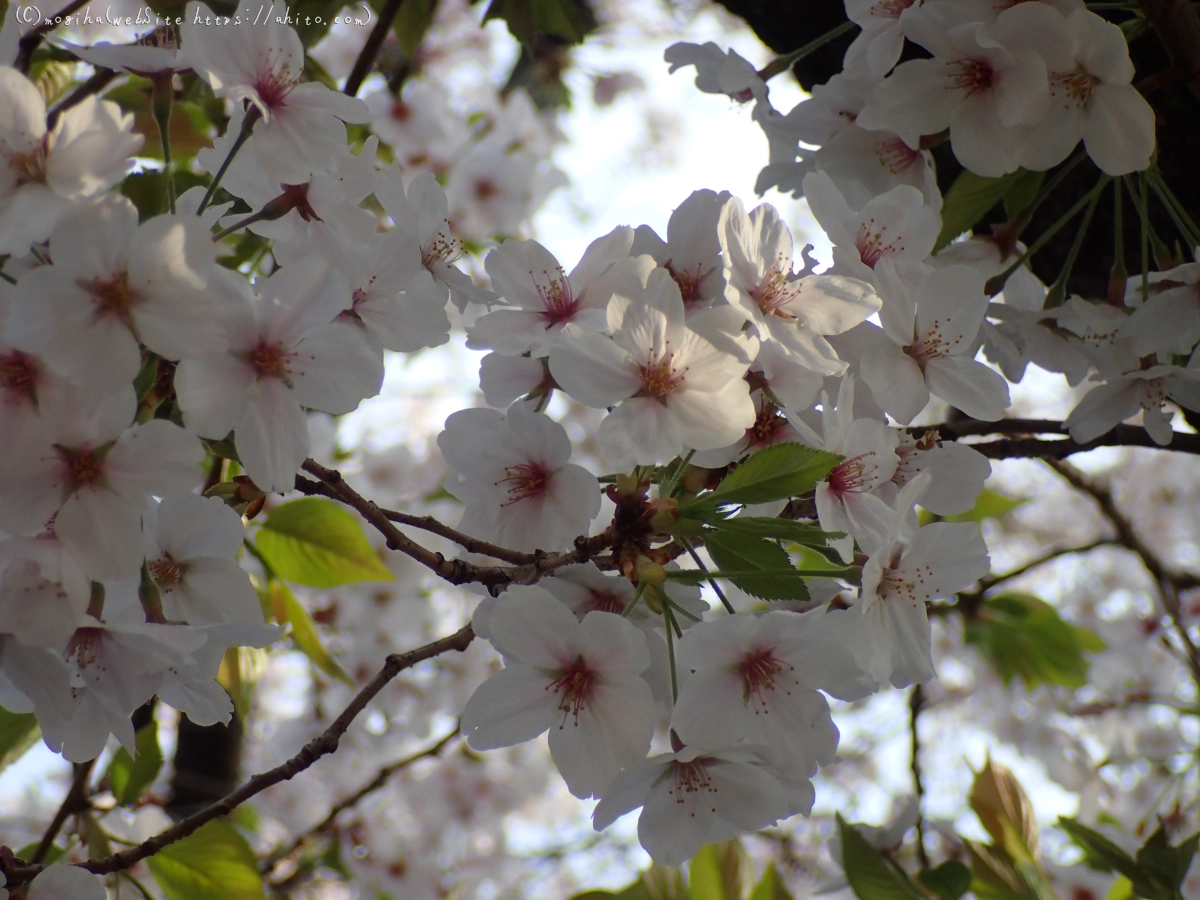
[
  {"x": 916, "y": 700},
  {"x": 456, "y": 571},
  {"x": 1028, "y": 447},
  {"x": 32, "y": 38},
  {"x": 341, "y": 806},
  {"x": 1170, "y": 582},
  {"x": 370, "y": 50},
  {"x": 322, "y": 745},
  {"x": 75, "y": 801}
]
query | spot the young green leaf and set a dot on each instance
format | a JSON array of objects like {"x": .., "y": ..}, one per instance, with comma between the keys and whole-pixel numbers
[
  {"x": 716, "y": 872},
  {"x": 130, "y": 776},
  {"x": 316, "y": 543},
  {"x": 18, "y": 732},
  {"x": 771, "y": 886},
  {"x": 949, "y": 881},
  {"x": 214, "y": 863},
  {"x": 764, "y": 568},
  {"x": 969, "y": 199},
  {"x": 781, "y": 529},
  {"x": 287, "y": 609},
  {"x": 871, "y": 875},
  {"x": 1005, "y": 811},
  {"x": 1099, "y": 852},
  {"x": 780, "y": 471}
]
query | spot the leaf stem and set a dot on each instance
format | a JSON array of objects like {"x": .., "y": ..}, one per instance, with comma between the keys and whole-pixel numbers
[
  {"x": 1058, "y": 291},
  {"x": 252, "y": 116},
  {"x": 783, "y": 63}
]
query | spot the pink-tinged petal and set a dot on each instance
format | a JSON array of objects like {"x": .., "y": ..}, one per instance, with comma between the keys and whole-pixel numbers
[
  {"x": 903, "y": 653},
  {"x": 593, "y": 369},
  {"x": 335, "y": 368},
  {"x": 158, "y": 457},
  {"x": 298, "y": 299},
  {"x": 522, "y": 272},
  {"x": 61, "y": 880},
  {"x": 644, "y": 431},
  {"x": 272, "y": 436},
  {"x": 1102, "y": 47},
  {"x": 213, "y": 590},
  {"x": 913, "y": 101},
  {"x": 829, "y": 208},
  {"x": 511, "y": 707},
  {"x": 600, "y": 255},
  {"x": 747, "y": 796},
  {"x": 317, "y": 97},
  {"x": 718, "y": 643},
  {"x": 895, "y": 380},
  {"x": 27, "y": 215},
  {"x": 952, "y": 304},
  {"x": 629, "y": 790},
  {"x": 613, "y": 730},
  {"x": 103, "y": 531},
  {"x": 1103, "y": 407},
  {"x": 88, "y": 730},
  {"x": 22, "y": 115},
  {"x": 968, "y": 385},
  {"x": 948, "y": 556},
  {"x": 94, "y": 242},
  {"x": 981, "y": 142},
  {"x": 708, "y": 421},
  {"x": 190, "y": 526},
  {"x": 611, "y": 643},
  {"x": 530, "y": 626},
  {"x": 1118, "y": 130},
  {"x": 212, "y": 393},
  {"x": 832, "y": 304},
  {"x": 710, "y": 710},
  {"x": 507, "y": 331}
]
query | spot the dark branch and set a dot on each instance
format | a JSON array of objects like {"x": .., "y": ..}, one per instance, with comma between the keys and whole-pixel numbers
[
  {"x": 32, "y": 38},
  {"x": 75, "y": 801},
  {"x": 370, "y": 50},
  {"x": 322, "y": 745},
  {"x": 94, "y": 85},
  {"x": 1028, "y": 447}
]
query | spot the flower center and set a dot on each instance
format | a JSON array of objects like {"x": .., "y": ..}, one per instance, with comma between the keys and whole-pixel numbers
[
  {"x": 30, "y": 167},
  {"x": 896, "y": 156},
  {"x": 269, "y": 361},
  {"x": 932, "y": 344},
  {"x": 659, "y": 379},
  {"x": 83, "y": 466},
  {"x": 689, "y": 282},
  {"x": 274, "y": 85},
  {"x": 558, "y": 300},
  {"x": 524, "y": 481},
  {"x": 758, "y": 670},
  {"x": 873, "y": 244},
  {"x": 606, "y": 601},
  {"x": 971, "y": 76},
  {"x": 485, "y": 189},
  {"x": 85, "y": 647},
  {"x": 442, "y": 249},
  {"x": 1075, "y": 88},
  {"x": 166, "y": 572},
  {"x": 767, "y": 425},
  {"x": 575, "y": 684},
  {"x": 774, "y": 292},
  {"x": 113, "y": 298},
  {"x": 690, "y": 778},
  {"x": 851, "y": 476},
  {"x": 401, "y": 111},
  {"x": 165, "y": 37},
  {"x": 890, "y": 9},
  {"x": 19, "y": 373}
]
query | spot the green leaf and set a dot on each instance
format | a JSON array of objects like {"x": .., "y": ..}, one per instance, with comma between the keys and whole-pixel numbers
[
  {"x": 214, "y": 863},
  {"x": 870, "y": 874},
  {"x": 1005, "y": 811},
  {"x": 765, "y": 569},
  {"x": 969, "y": 199},
  {"x": 989, "y": 505},
  {"x": 18, "y": 732},
  {"x": 569, "y": 20},
  {"x": 771, "y": 886},
  {"x": 780, "y": 471},
  {"x": 1023, "y": 636},
  {"x": 716, "y": 872},
  {"x": 949, "y": 881},
  {"x": 1023, "y": 192},
  {"x": 993, "y": 875},
  {"x": 315, "y": 542},
  {"x": 53, "y": 855},
  {"x": 781, "y": 529},
  {"x": 148, "y": 190},
  {"x": 1164, "y": 865},
  {"x": 128, "y": 776},
  {"x": 1099, "y": 852},
  {"x": 287, "y": 609}
]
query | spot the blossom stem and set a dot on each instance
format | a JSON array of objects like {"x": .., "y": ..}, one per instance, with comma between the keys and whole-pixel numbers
[
  {"x": 676, "y": 608},
  {"x": 633, "y": 601},
  {"x": 668, "y": 487},
  {"x": 162, "y": 102},
  {"x": 712, "y": 582},
  {"x": 1175, "y": 209},
  {"x": 1145, "y": 219},
  {"x": 252, "y": 116},
  {"x": 783, "y": 63},
  {"x": 671, "y": 626},
  {"x": 1119, "y": 274},
  {"x": 996, "y": 283},
  {"x": 1058, "y": 291}
]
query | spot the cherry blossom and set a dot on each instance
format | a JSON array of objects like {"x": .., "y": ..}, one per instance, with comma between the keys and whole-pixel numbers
[
  {"x": 1147, "y": 390},
  {"x": 514, "y": 478},
  {"x": 580, "y": 680},
  {"x": 691, "y": 252}
]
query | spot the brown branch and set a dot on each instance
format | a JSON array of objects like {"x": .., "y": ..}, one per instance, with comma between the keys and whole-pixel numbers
[
  {"x": 456, "y": 571},
  {"x": 916, "y": 701},
  {"x": 75, "y": 801},
  {"x": 322, "y": 745},
  {"x": 341, "y": 806},
  {"x": 32, "y": 38},
  {"x": 1170, "y": 582},
  {"x": 370, "y": 50},
  {"x": 1026, "y": 446},
  {"x": 468, "y": 543},
  {"x": 1177, "y": 23},
  {"x": 94, "y": 85}
]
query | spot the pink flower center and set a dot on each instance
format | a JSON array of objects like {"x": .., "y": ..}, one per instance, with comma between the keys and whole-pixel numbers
[
  {"x": 690, "y": 778},
  {"x": 890, "y": 9},
  {"x": 767, "y": 425},
  {"x": 269, "y": 361},
  {"x": 774, "y": 291},
  {"x": 971, "y": 76},
  {"x": 558, "y": 300},
  {"x": 485, "y": 189},
  {"x": 442, "y": 249},
  {"x": 19, "y": 373},
  {"x": 758, "y": 670},
  {"x": 896, "y": 156},
  {"x": 851, "y": 476},
  {"x": 689, "y": 282},
  {"x": 873, "y": 243},
  {"x": 113, "y": 298},
  {"x": 902, "y": 584},
  {"x": 82, "y": 466},
  {"x": 605, "y": 601},
  {"x": 166, "y": 572},
  {"x": 30, "y": 167},
  {"x": 659, "y": 379},
  {"x": 86, "y": 648},
  {"x": 524, "y": 481},
  {"x": 274, "y": 84},
  {"x": 575, "y": 684},
  {"x": 401, "y": 111}
]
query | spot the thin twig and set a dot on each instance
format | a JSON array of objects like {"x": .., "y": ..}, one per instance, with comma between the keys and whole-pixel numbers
[
  {"x": 32, "y": 38},
  {"x": 322, "y": 745},
  {"x": 916, "y": 700},
  {"x": 94, "y": 85},
  {"x": 370, "y": 50},
  {"x": 468, "y": 543},
  {"x": 1169, "y": 581},
  {"x": 341, "y": 806},
  {"x": 1031, "y": 447},
  {"x": 75, "y": 801}
]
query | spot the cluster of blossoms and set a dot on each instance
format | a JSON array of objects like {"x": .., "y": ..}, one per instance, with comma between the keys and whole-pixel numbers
[{"x": 129, "y": 354}]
